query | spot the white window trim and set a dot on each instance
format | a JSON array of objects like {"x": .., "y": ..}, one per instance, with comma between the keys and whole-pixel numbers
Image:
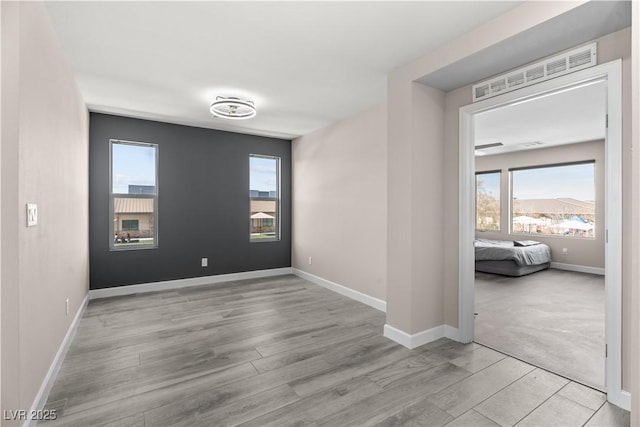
[
  {"x": 278, "y": 218},
  {"x": 113, "y": 196}
]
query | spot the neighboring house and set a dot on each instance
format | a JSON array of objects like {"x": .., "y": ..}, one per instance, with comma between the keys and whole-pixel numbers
[
  {"x": 133, "y": 217},
  {"x": 263, "y": 214},
  {"x": 557, "y": 209}
]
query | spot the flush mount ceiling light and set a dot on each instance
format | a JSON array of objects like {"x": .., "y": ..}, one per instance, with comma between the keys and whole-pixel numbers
[{"x": 232, "y": 108}]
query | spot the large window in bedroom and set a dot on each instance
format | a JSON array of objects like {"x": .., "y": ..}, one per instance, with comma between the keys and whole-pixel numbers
[
  {"x": 264, "y": 198},
  {"x": 556, "y": 200},
  {"x": 133, "y": 196},
  {"x": 488, "y": 201}
]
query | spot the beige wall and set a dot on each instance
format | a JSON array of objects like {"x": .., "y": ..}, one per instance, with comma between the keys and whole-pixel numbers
[
  {"x": 419, "y": 299},
  {"x": 581, "y": 251},
  {"x": 2, "y": 136},
  {"x": 44, "y": 161},
  {"x": 635, "y": 231},
  {"x": 339, "y": 199},
  {"x": 415, "y": 168}
]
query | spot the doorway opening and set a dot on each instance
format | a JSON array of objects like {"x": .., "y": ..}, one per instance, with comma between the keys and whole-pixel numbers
[
  {"x": 543, "y": 184},
  {"x": 542, "y": 226}
]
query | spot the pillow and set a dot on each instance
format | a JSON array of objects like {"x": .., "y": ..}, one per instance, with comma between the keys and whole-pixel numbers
[{"x": 525, "y": 243}]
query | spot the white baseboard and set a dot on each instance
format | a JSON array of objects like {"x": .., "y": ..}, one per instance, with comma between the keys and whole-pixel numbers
[
  {"x": 415, "y": 340},
  {"x": 376, "y": 303},
  {"x": 421, "y": 338},
  {"x": 621, "y": 399},
  {"x": 452, "y": 333},
  {"x": 184, "y": 283},
  {"x": 56, "y": 364},
  {"x": 578, "y": 268}
]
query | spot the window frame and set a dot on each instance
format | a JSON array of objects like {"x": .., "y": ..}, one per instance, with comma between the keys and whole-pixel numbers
[
  {"x": 547, "y": 166},
  {"x": 278, "y": 219},
  {"x": 113, "y": 196},
  {"x": 494, "y": 171}
]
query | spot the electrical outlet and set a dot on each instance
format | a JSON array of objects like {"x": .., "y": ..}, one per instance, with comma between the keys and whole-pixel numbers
[
  {"x": 66, "y": 307},
  {"x": 205, "y": 262},
  {"x": 565, "y": 251},
  {"x": 32, "y": 214},
  {"x": 310, "y": 261}
]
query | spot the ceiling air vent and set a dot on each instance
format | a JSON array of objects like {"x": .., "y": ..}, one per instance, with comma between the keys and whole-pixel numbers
[
  {"x": 555, "y": 67},
  {"x": 535, "y": 73},
  {"x": 498, "y": 85},
  {"x": 558, "y": 65},
  {"x": 480, "y": 91},
  {"x": 580, "y": 58},
  {"x": 515, "y": 80}
]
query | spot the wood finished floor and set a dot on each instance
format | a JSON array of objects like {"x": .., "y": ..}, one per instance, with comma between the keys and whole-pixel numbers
[{"x": 282, "y": 351}]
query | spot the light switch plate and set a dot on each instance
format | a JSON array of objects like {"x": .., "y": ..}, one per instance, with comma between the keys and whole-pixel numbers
[{"x": 32, "y": 214}]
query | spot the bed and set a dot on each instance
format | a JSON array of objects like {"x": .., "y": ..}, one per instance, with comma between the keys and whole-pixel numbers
[{"x": 511, "y": 258}]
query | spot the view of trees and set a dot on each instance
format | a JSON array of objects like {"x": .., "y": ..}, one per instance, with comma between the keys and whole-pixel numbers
[
  {"x": 556, "y": 200},
  {"x": 487, "y": 202}
]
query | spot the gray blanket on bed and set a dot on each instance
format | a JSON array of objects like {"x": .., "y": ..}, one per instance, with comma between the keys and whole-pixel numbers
[{"x": 496, "y": 250}]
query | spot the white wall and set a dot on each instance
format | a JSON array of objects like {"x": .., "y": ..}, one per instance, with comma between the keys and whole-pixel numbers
[
  {"x": 581, "y": 251},
  {"x": 44, "y": 161},
  {"x": 339, "y": 200}
]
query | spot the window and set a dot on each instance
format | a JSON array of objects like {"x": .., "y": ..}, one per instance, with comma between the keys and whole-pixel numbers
[
  {"x": 130, "y": 224},
  {"x": 133, "y": 195},
  {"x": 488, "y": 201},
  {"x": 264, "y": 198},
  {"x": 554, "y": 200}
]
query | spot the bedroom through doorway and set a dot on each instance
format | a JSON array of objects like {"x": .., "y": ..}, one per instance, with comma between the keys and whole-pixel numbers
[
  {"x": 539, "y": 241},
  {"x": 585, "y": 245}
]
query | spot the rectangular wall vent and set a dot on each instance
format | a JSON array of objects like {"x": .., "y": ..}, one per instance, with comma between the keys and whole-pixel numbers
[{"x": 568, "y": 62}]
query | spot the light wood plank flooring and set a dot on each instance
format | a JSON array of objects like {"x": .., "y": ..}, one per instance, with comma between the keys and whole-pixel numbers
[{"x": 283, "y": 351}]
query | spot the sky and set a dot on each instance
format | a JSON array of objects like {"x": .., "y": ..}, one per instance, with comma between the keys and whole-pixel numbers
[
  {"x": 574, "y": 181},
  {"x": 491, "y": 183},
  {"x": 263, "y": 176},
  {"x": 571, "y": 181},
  {"x": 133, "y": 164}
]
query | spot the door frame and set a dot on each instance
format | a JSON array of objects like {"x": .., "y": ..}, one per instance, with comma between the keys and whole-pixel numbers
[{"x": 611, "y": 73}]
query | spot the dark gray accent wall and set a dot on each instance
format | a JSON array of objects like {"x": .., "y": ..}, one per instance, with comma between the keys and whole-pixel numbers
[{"x": 203, "y": 203}]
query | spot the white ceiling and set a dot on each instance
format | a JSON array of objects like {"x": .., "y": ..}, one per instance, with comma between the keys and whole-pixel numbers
[
  {"x": 567, "y": 117},
  {"x": 304, "y": 64}
]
